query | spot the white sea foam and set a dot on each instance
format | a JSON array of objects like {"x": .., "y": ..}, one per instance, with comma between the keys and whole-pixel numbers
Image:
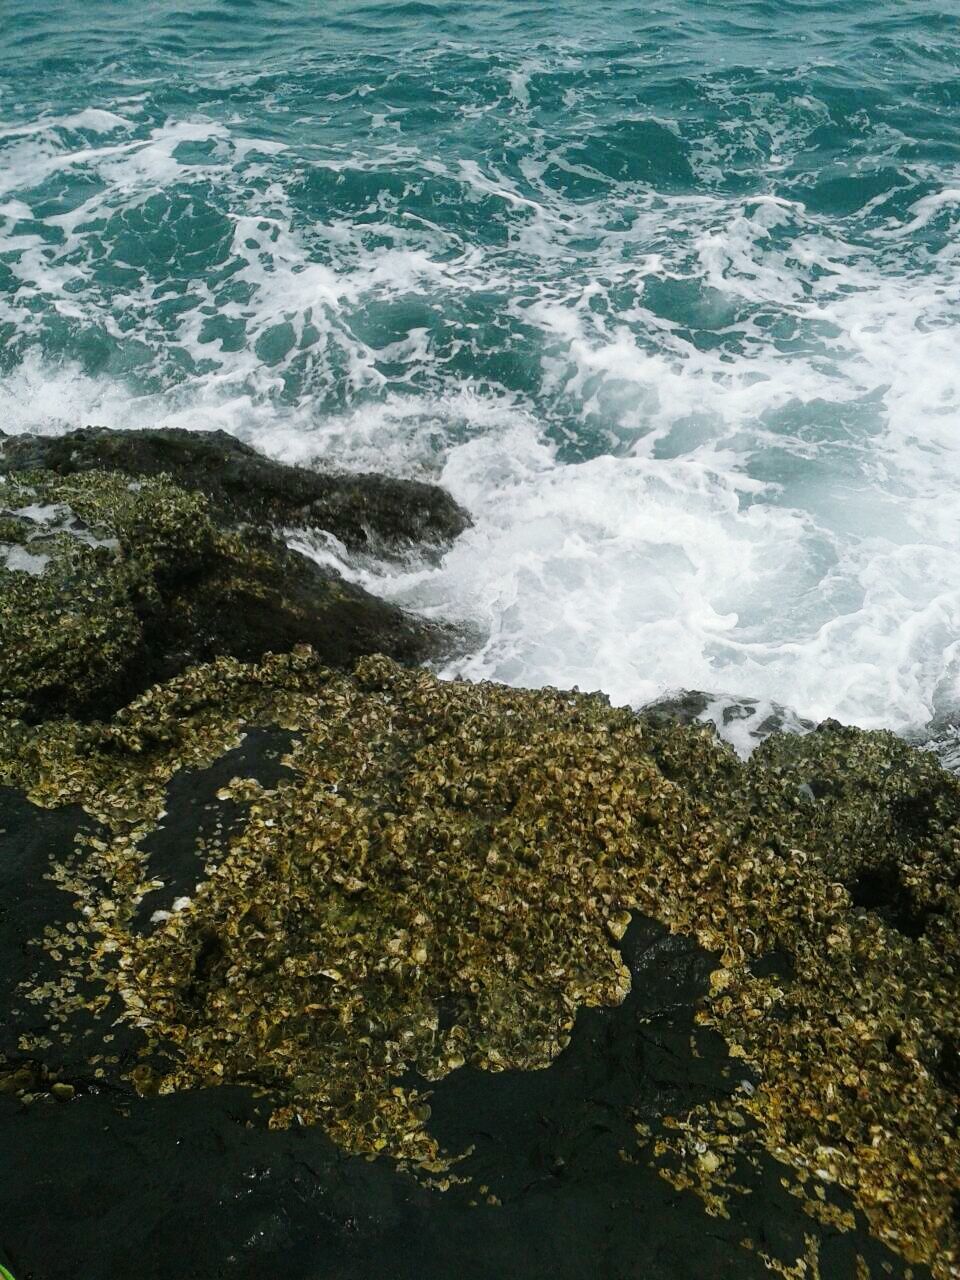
[
  {"x": 20, "y": 560},
  {"x": 637, "y": 575},
  {"x": 771, "y": 512}
]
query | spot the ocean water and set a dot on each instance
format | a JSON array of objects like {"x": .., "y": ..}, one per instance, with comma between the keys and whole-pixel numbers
[{"x": 667, "y": 294}]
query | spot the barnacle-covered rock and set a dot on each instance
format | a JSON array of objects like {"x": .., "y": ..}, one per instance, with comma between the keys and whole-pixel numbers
[
  {"x": 365, "y": 511},
  {"x": 435, "y": 878},
  {"x": 108, "y": 585}
]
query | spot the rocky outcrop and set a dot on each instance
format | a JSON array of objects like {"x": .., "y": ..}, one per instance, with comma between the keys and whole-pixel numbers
[
  {"x": 365, "y": 511},
  {"x": 195, "y": 1184},
  {"x": 744, "y": 721},
  {"x": 399, "y": 911},
  {"x": 314, "y": 966},
  {"x": 109, "y": 584}
]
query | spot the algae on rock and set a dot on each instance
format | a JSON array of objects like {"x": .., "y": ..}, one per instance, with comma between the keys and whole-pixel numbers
[
  {"x": 442, "y": 877},
  {"x": 365, "y": 511},
  {"x": 108, "y": 585}
]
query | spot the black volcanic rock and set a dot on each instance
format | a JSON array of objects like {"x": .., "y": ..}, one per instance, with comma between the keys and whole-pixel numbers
[
  {"x": 224, "y": 822},
  {"x": 111, "y": 1185},
  {"x": 602, "y": 998}
]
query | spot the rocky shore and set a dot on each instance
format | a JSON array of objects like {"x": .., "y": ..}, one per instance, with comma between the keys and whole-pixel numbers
[
  {"x": 133, "y": 555},
  {"x": 314, "y": 965}
]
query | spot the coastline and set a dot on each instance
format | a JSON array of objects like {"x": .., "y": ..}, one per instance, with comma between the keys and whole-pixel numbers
[{"x": 785, "y": 925}]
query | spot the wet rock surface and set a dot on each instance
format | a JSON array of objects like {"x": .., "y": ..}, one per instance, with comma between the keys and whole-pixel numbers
[
  {"x": 319, "y": 967},
  {"x": 111, "y": 1184},
  {"x": 108, "y": 585},
  {"x": 29, "y": 902},
  {"x": 271, "y": 921},
  {"x": 744, "y": 722},
  {"x": 365, "y": 511}
]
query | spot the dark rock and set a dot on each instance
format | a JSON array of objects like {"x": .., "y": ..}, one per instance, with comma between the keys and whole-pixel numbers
[
  {"x": 365, "y": 511},
  {"x": 195, "y": 1185},
  {"x": 744, "y": 721},
  {"x": 689, "y": 706},
  {"x": 195, "y": 815},
  {"x": 266, "y": 599},
  {"x": 881, "y": 889},
  {"x": 108, "y": 586},
  {"x": 30, "y": 840},
  {"x": 33, "y": 842},
  {"x": 563, "y": 1174}
]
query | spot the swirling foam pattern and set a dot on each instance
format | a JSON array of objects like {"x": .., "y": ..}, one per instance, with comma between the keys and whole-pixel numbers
[{"x": 667, "y": 294}]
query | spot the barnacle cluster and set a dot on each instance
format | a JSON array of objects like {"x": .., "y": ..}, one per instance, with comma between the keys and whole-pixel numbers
[
  {"x": 82, "y": 560},
  {"x": 111, "y": 583},
  {"x": 442, "y": 875}
]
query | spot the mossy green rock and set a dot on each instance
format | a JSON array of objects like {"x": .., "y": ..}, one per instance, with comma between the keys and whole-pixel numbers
[
  {"x": 109, "y": 584},
  {"x": 365, "y": 511}
]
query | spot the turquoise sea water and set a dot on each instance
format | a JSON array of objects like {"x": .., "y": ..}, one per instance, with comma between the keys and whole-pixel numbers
[{"x": 666, "y": 294}]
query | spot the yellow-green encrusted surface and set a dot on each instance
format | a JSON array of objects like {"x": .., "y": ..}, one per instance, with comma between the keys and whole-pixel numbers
[{"x": 480, "y": 849}]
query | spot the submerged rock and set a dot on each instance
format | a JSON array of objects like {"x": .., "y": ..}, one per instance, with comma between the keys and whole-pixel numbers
[
  {"x": 108, "y": 585},
  {"x": 400, "y": 910}
]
